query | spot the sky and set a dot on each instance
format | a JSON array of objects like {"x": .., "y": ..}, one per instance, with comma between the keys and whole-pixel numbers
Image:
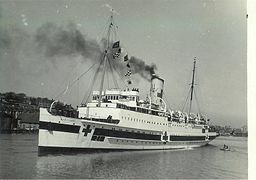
[{"x": 167, "y": 33}]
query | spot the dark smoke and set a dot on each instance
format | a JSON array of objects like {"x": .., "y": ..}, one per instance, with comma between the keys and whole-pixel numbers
[
  {"x": 58, "y": 41},
  {"x": 54, "y": 40},
  {"x": 144, "y": 70}
]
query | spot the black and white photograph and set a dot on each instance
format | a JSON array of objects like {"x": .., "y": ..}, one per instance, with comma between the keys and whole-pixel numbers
[{"x": 124, "y": 89}]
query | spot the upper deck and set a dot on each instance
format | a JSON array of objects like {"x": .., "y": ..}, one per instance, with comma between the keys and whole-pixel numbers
[{"x": 125, "y": 97}]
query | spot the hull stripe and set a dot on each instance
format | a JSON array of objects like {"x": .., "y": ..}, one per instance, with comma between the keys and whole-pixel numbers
[
  {"x": 125, "y": 134},
  {"x": 59, "y": 127},
  {"x": 187, "y": 138},
  {"x": 45, "y": 150}
]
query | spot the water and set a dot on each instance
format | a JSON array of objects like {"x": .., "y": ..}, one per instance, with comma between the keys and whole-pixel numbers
[{"x": 19, "y": 159}]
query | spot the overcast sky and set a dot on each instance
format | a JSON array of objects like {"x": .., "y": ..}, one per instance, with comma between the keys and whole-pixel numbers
[{"x": 166, "y": 33}]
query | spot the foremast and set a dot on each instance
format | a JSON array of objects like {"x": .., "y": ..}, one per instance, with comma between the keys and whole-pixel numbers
[
  {"x": 192, "y": 86},
  {"x": 104, "y": 58}
]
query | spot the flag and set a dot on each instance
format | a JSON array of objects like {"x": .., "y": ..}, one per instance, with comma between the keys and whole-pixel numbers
[
  {"x": 128, "y": 73},
  {"x": 66, "y": 90},
  {"x": 116, "y": 55},
  {"x": 116, "y": 52},
  {"x": 116, "y": 44},
  {"x": 128, "y": 65},
  {"x": 126, "y": 57}
]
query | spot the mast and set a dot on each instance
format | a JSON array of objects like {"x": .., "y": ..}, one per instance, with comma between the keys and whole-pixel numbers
[
  {"x": 192, "y": 86},
  {"x": 105, "y": 59}
]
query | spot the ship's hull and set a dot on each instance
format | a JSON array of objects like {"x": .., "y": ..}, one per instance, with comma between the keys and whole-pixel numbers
[{"x": 61, "y": 134}]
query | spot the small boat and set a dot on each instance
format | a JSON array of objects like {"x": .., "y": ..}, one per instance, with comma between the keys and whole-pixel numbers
[{"x": 225, "y": 149}]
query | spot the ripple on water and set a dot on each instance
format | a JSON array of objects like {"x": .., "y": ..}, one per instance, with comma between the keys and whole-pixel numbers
[{"x": 20, "y": 160}]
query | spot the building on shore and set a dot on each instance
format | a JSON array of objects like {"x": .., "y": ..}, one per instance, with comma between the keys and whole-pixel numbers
[
  {"x": 20, "y": 113},
  {"x": 28, "y": 122}
]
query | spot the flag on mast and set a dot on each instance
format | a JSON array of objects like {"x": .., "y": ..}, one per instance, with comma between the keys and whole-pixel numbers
[
  {"x": 126, "y": 57},
  {"x": 116, "y": 55},
  {"x": 116, "y": 44},
  {"x": 129, "y": 72},
  {"x": 116, "y": 50}
]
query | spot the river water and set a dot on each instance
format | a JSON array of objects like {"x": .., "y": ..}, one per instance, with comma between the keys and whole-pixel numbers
[{"x": 19, "y": 159}]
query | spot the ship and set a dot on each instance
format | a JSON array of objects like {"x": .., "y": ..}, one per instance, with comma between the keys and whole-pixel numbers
[{"x": 117, "y": 119}]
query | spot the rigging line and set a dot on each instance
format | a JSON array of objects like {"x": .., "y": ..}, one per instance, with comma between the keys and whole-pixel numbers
[
  {"x": 76, "y": 80},
  {"x": 107, "y": 73},
  {"x": 197, "y": 103},
  {"x": 115, "y": 31},
  {"x": 120, "y": 75},
  {"x": 89, "y": 90},
  {"x": 78, "y": 92},
  {"x": 186, "y": 99},
  {"x": 112, "y": 73},
  {"x": 93, "y": 81},
  {"x": 167, "y": 101},
  {"x": 87, "y": 71},
  {"x": 68, "y": 75},
  {"x": 104, "y": 28},
  {"x": 84, "y": 101}
]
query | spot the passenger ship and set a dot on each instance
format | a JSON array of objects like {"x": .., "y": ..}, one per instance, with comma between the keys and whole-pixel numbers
[{"x": 117, "y": 119}]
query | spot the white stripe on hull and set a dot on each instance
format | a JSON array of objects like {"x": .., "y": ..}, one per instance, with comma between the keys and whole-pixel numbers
[{"x": 72, "y": 140}]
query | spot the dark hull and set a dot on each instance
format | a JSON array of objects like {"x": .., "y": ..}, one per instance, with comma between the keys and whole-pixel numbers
[{"x": 43, "y": 151}]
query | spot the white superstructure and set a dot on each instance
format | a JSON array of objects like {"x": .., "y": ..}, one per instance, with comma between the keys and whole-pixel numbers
[{"x": 121, "y": 122}]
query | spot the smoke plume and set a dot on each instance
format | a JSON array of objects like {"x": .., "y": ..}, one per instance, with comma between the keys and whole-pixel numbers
[
  {"x": 144, "y": 70},
  {"x": 54, "y": 40},
  {"x": 51, "y": 40}
]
